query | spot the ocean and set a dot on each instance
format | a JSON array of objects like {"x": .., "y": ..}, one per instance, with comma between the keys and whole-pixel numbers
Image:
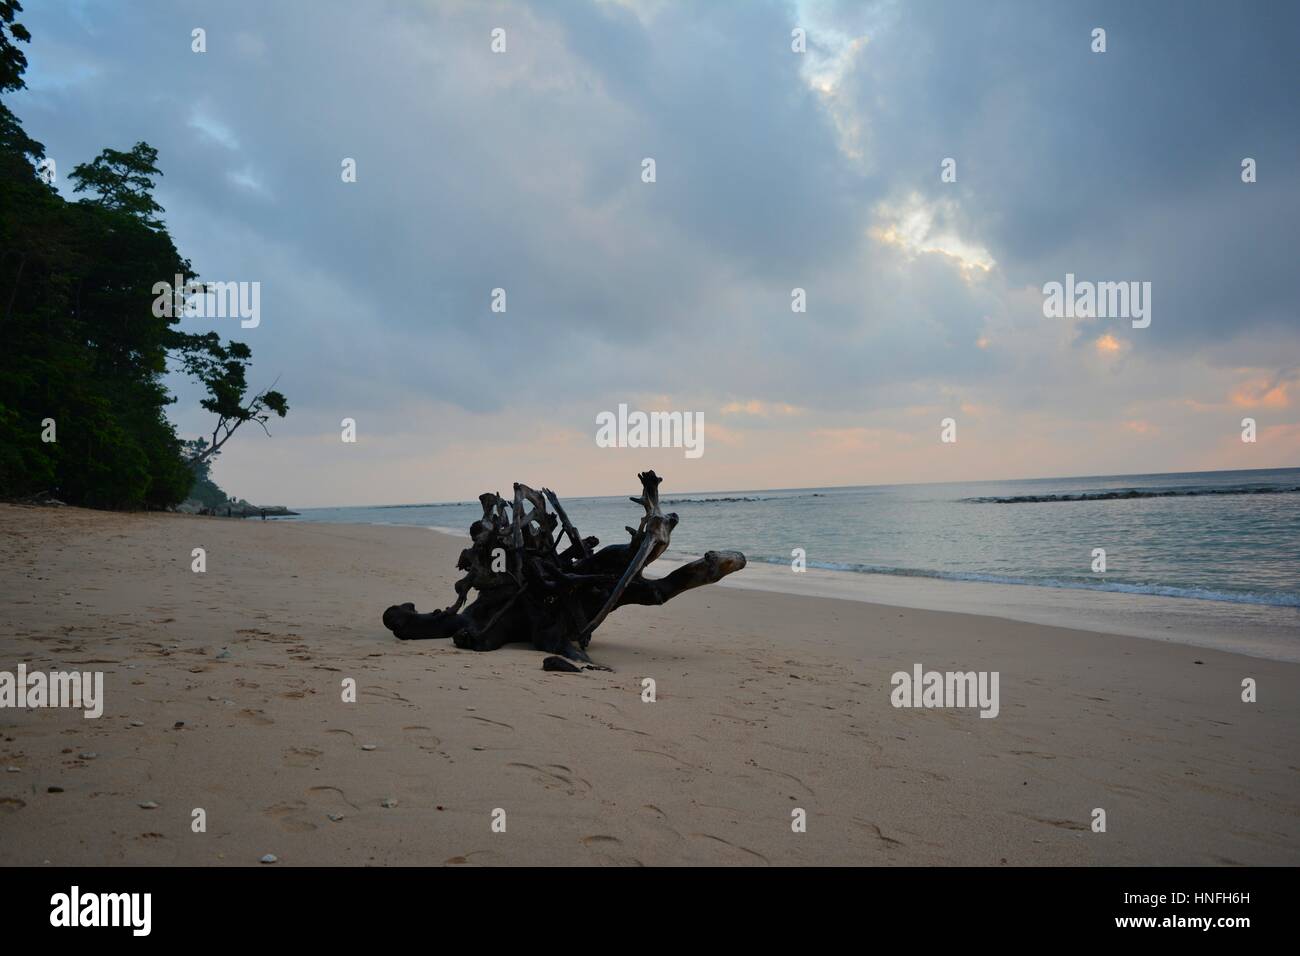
[
  {"x": 1223, "y": 536},
  {"x": 1230, "y": 539}
]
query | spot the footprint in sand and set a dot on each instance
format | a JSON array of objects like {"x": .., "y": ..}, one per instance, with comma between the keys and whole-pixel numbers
[
  {"x": 732, "y": 853},
  {"x": 555, "y": 777},
  {"x": 1063, "y": 824},
  {"x": 659, "y": 753},
  {"x": 289, "y": 815},
  {"x": 424, "y": 739},
  {"x": 330, "y": 798},
  {"x": 495, "y": 723},
  {"x": 782, "y": 773},
  {"x": 609, "y": 849},
  {"x": 880, "y": 835},
  {"x": 257, "y": 717},
  {"x": 464, "y": 858},
  {"x": 651, "y": 816},
  {"x": 301, "y": 756}
]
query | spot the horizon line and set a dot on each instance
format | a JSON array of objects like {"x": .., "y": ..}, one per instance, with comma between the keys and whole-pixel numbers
[{"x": 887, "y": 484}]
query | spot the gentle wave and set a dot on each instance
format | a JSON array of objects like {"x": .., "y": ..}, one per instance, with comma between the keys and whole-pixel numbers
[
  {"x": 1129, "y": 493},
  {"x": 454, "y": 532},
  {"x": 1277, "y": 599},
  {"x": 714, "y": 501},
  {"x": 437, "y": 504}
]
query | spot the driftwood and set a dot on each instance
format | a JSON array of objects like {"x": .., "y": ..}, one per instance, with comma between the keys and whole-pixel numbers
[{"x": 531, "y": 587}]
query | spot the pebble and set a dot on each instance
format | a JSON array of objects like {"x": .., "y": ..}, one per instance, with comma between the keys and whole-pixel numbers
[
  {"x": 88, "y": 755},
  {"x": 14, "y": 769},
  {"x": 148, "y": 805},
  {"x": 53, "y": 789},
  {"x": 225, "y": 655},
  {"x": 270, "y": 858},
  {"x": 367, "y": 746},
  {"x": 136, "y": 723},
  {"x": 334, "y": 817},
  {"x": 389, "y": 803},
  {"x": 178, "y": 725}
]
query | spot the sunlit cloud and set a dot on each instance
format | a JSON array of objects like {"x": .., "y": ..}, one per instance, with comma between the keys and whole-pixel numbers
[
  {"x": 1262, "y": 393},
  {"x": 915, "y": 227},
  {"x": 761, "y": 409},
  {"x": 1107, "y": 344},
  {"x": 1140, "y": 427}
]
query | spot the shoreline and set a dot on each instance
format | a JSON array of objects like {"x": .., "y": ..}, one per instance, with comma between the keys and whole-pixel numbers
[
  {"x": 222, "y": 692},
  {"x": 1268, "y": 632}
]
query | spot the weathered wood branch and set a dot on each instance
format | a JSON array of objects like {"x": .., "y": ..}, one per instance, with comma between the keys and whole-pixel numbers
[{"x": 528, "y": 590}]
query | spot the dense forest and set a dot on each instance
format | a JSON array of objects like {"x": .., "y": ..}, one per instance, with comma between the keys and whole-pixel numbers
[{"x": 82, "y": 400}]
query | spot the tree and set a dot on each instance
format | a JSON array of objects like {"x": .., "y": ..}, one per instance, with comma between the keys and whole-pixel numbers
[
  {"x": 204, "y": 489},
  {"x": 223, "y": 371},
  {"x": 82, "y": 345},
  {"x": 13, "y": 63},
  {"x": 123, "y": 182}
]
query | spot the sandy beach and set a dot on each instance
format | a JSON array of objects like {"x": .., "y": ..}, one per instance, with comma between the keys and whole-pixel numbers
[{"x": 223, "y": 692}]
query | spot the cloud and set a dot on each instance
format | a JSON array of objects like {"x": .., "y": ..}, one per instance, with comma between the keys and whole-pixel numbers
[
  {"x": 760, "y": 409},
  {"x": 1107, "y": 345},
  {"x": 1271, "y": 392},
  {"x": 775, "y": 171}
]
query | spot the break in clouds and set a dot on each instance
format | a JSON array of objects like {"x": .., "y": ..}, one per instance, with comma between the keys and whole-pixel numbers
[{"x": 775, "y": 170}]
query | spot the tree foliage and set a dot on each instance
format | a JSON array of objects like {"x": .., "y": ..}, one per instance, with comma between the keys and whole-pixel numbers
[{"x": 82, "y": 346}]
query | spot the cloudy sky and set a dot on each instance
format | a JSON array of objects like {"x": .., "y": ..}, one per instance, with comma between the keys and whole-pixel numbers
[{"x": 775, "y": 170}]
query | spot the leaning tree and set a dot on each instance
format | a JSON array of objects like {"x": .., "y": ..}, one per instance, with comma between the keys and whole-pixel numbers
[{"x": 531, "y": 587}]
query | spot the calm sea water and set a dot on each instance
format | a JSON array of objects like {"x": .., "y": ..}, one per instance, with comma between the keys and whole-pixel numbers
[{"x": 1223, "y": 536}]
